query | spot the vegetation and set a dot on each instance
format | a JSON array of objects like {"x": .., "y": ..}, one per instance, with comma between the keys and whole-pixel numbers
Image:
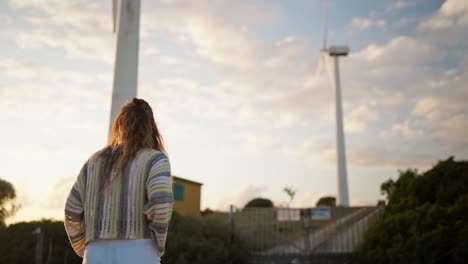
[
  {"x": 207, "y": 212},
  {"x": 327, "y": 201},
  {"x": 190, "y": 240},
  {"x": 259, "y": 202},
  {"x": 202, "y": 241},
  {"x": 18, "y": 244},
  {"x": 7, "y": 197},
  {"x": 426, "y": 219},
  {"x": 290, "y": 192}
]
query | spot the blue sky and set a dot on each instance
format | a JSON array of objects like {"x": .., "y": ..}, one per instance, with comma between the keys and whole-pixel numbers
[{"x": 234, "y": 91}]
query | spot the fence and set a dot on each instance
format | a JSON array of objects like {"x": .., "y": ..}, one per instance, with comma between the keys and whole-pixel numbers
[{"x": 283, "y": 235}]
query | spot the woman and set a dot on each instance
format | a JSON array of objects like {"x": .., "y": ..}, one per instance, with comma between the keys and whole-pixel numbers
[{"x": 119, "y": 209}]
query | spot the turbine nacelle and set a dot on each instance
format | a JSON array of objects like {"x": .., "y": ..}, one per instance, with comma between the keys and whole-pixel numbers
[{"x": 338, "y": 50}]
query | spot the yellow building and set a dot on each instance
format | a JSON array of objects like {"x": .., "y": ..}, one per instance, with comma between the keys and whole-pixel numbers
[{"x": 187, "y": 195}]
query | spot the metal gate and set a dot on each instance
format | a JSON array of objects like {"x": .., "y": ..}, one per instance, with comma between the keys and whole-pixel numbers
[{"x": 294, "y": 235}]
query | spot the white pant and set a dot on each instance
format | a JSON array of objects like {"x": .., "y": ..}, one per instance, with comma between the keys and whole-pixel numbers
[{"x": 121, "y": 251}]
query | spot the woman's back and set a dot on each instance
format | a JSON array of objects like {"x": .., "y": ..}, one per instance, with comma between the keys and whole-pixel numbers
[
  {"x": 124, "y": 207},
  {"x": 130, "y": 202}
]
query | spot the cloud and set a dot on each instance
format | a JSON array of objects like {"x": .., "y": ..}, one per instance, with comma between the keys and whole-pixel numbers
[
  {"x": 241, "y": 197},
  {"x": 425, "y": 106},
  {"x": 404, "y": 21},
  {"x": 404, "y": 130},
  {"x": 24, "y": 70},
  {"x": 379, "y": 82},
  {"x": 452, "y": 13},
  {"x": 399, "y": 4},
  {"x": 253, "y": 142},
  {"x": 391, "y": 157},
  {"x": 401, "y": 52},
  {"x": 322, "y": 152},
  {"x": 169, "y": 60},
  {"x": 447, "y": 27},
  {"x": 213, "y": 29},
  {"x": 57, "y": 197},
  {"x": 248, "y": 65},
  {"x": 358, "y": 118},
  {"x": 82, "y": 30},
  {"x": 366, "y": 23},
  {"x": 149, "y": 51},
  {"x": 186, "y": 96},
  {"x": 315, "y": 151}
]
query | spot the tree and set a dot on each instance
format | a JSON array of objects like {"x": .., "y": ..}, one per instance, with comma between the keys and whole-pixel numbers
[
  {"x": 7, "y": 196},
  {"x": 290, "y": 192},
  {"x": 426, "y": 220},
  {"x": 259, "y": 202},
  {"x": 387, "y": 188},
  {"x": 327, "y": 201}
]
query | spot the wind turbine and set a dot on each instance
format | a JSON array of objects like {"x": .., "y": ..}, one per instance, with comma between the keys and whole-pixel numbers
[
  {"x": 126, "y": 21},
  {"x": 335, "y": 52}
]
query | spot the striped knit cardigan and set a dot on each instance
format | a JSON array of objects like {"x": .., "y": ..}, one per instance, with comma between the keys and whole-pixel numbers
[{"x": 135, "y": 204}]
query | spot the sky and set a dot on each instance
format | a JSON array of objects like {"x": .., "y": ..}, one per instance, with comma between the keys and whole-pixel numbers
[{"x": 236, "y": 96}]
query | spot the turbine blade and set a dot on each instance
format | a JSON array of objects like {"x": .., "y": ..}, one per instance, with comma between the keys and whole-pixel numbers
[
  {"x": 318, "y": 71},
  {"x": 325, "y": 25},
  {"x": 114, "y": 14},
  {"x": 330, "y": 72}
]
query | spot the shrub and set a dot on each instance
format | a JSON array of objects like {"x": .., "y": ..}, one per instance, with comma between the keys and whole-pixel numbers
[
  {"x": 194, "y": 240},
  {"x": 426, "y": 219},
  {"x": 259, "y": 202},
  {"x": 18, "y": 243}
]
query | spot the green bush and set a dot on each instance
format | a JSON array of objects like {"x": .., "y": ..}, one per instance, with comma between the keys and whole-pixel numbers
[
  {"x": 426, "y": 219},
  {"x": 18, "y": 244},
  {"x": 190, "y": 240},
  {"x": 201, "y": 240},
  {"x": 326, "y": 201},
  {"x": 259, "y": 202}
]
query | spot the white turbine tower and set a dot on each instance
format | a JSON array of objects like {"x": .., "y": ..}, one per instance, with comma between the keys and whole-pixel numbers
[
  {"x": 126, "y": 20},
  {"x": 335, "y": 52}
]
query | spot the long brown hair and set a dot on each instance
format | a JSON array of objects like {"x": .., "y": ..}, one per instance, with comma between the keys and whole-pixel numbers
[{"x": 133, "y": 129}]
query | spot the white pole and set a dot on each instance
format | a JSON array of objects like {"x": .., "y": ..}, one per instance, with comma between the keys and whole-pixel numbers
[
  {"x": 126, "y": 61},
  {"x": 343, "y": 196}
]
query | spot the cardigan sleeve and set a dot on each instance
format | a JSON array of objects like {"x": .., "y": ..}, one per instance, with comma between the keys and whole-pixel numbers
[
  {"x": 74, "y": 207},
  {"x": 158, "y": 209}
]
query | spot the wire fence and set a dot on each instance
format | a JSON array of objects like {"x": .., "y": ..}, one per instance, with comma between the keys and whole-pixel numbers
[{"x": 300, "y": 235}]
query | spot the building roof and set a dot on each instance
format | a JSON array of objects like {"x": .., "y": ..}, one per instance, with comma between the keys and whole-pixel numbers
[{"x": 186, "y": 181}]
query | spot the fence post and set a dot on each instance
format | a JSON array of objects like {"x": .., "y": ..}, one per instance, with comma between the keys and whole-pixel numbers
[
  {"x": 306, "y": 225},
  {"x": 231, "y": 223}
]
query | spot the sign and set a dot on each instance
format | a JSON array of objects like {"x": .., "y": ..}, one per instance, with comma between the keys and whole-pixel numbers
[
  {"x": 287, "y": 214},
  {"x": 321, "y": 213}
]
